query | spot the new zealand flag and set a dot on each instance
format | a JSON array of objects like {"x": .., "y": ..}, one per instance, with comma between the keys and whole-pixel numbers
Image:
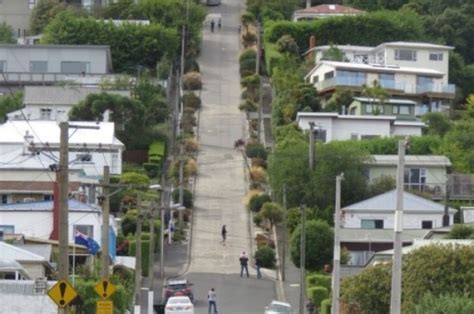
[{"x": 90, "y": 243}]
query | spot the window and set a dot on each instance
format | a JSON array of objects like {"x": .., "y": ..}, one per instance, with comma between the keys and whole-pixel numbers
[
  {"x": 405, "y": 55},
  {"x": 75, "y": 67},
  {"x": 427, "y": 224},
  {"x": 436, "y": 56},
  {"x": 371, "y": 223},
  {"x": 4, "y": 199},
  {"x": 3, "y": 66},
  {"x": 315, "y": 79},
  {"x": 354, "y": 136},
  {"x": 83, "y": 157},
  {"x": 424, "y": 80},
  {"x": 415, "y": 178},
  {"x": 45, "y": 113},
  {"x": 7, "y": 229},
  {"x": 38, "y": 66},
  {"x": 328, "y": 75},
  {"x": 387, "y": 77},
  {"x": 400, "y": 109},
  {"x": 31, "y": 4},
  {"x": 369, "y": 108},
  {"x": 88, "y": 230},
  {"x": 368, "y": 137},
  {"x": 352, "y": 75},
  {"x": 48, "y": 197},
  {"x": 114, "y": 163},
  {"x": 320, "y": 135}
]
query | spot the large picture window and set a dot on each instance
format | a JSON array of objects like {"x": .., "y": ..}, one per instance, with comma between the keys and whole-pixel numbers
[
  {"x": 405, "y": 55},
  {"x": 74, "y": 67}
]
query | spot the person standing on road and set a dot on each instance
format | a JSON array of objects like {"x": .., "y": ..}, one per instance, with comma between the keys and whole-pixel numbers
[
  {"x": 224, "y": 234},
  {"x": 310, "y": 307},
  {"x": 211, "y": 298},
  {"x": 258, "y": 264},
  {"x": 244, "y": 264}
]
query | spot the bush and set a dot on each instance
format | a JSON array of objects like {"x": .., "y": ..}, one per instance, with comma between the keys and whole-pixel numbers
[
  {"x": 187, "y": 197},
  {"x": 257, "y": 219},
  {"x": 319, "y": 280},
  {"x": 258, "y": 175},
  {"x": 192, "y": 81},
  {"x": 190, "y": 145},
  {"x": 256, "y": 150},
  {"x": 326, "y": 306},
  {"x": 459, "y": 231},
  {"x": 267, "y": 255},
  {"x": 153, "y": 170},
  {"x": 248, "y": 105},
  {"x": 249, "y": 38},
  {"x": 190, "y": 168},
  {"x": 431, "y": 304},
  {"x": 248, "y": 61},
  {"x": 132, "y": 249},
  {"x": 318, "y": 294},
  {"x": 190, "y": 100},
  {"x": 256, "y": 202}
]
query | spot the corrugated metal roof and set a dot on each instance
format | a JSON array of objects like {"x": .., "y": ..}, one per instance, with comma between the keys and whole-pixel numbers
[
  {"x": 355, "y": 235},
  {"x": 411, "y": 160},
  {"x": 43, "y": 250},
  {"x": 46, "y": 205},
  {"x": 387, "y": 202},
  {"x": 9, "y": 251},
  {"x": 381, "y": 68},
  {"x": 63, "y": 95}
]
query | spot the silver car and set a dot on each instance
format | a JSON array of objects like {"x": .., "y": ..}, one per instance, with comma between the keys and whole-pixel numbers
[{"x": 277, "y": 307}]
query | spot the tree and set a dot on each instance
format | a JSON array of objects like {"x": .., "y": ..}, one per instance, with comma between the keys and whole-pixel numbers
[
  {"x": 319, "y": 245},
  {"x": 10, "y": 103},
  {"x": 6, "y": 34},
  {"x": 376, "y": 93},
  {"x": 437, "y": 123},
  {"x": 272, "y": 212},
  {"x": 287, "y": 45},
  {"x": 459, "y": 231},
  {"x": 339, "y": 101},
  {"x": 43, "y": 12},
  {"x": 371, "y": 5},
  {"x": 333, "y": 54},
  {"x": 446, "y": 303},
  {"x": 382, "y": 184},
  {"x": 247, "y": 18}
]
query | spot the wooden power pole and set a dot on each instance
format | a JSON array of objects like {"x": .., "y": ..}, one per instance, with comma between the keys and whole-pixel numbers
[
  {"x": 105, "y": 222},
  {"x": 138, "y": 257},
  {"x": 302, "y": 258},
  {"x": 63, "y": 262},
  {"x": 336, "y": 273}
]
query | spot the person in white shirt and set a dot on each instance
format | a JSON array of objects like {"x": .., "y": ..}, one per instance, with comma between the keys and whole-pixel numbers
[{"x": 211, "y": 298}]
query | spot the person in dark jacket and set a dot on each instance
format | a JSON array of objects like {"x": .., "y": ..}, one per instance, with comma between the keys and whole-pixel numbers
[
  {"x": 224, "y": 234},
  {"x": 310, "y": 307},
  {"x": 258, "y": 264},
  {"x": 244, "y": 264}
]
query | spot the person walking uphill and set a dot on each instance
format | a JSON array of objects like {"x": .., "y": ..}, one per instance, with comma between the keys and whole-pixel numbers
[
  {"x": 244, "y": 260},
  {"x": 211, "y": 298},
  {"x": 224, "y": 234}
]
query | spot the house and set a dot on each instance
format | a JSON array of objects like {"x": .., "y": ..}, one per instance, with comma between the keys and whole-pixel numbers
[
  {"x": 17, "y": 14},
  {"x": 332, "y": 126},
  {"x": 378, "y": 212},
  {"x": 403, "y": 109},
  {"x": 35, "y": 219},
  {"x": 406, "y": 70},
  {"x": 324, "y": 11},
  {"x": 423, "y": 173},
  {"x": 36, "y": 266},
  {"x": 55, "y": 102},
  {"x": 48, "y": 64}
]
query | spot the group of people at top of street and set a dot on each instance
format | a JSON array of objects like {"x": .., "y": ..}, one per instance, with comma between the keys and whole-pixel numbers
[{"x": 219, "y": 24}]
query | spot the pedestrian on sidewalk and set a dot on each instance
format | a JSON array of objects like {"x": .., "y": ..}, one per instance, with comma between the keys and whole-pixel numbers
[
  {"x": 244, "y": 264},
  {"x": 211, "y": 298},
  {"x": 258, "y": 264},
  {"x": 224, "y": 234},
  {"x": 212, "y": 25},
  {"x": 310, "y": 307},
  {"x": 219, "y": 23}
]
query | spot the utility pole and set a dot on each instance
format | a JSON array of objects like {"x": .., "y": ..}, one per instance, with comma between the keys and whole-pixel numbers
[
  {"x": 105, "y": 222},
  {"x": 283, "y": 253},
  {"x": 63, "y": 262},
  {"x": 396, "y": 292},
  {"x": 162, "y": 236},
  {"x": 311, "y": 145},
  {"x": 302, "y": 258},
  {"x": 138, "y": 256},
  {"x": 446, "y": 203},
  {"x": 151, "y": 259},
  {"x": 337, "y": 248},
  {"x": 257, "y": 71}
]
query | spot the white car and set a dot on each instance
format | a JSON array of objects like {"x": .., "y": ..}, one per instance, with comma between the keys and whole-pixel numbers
[
  {"x": 277, "y": 307},
  {"x": 179, "y": 305}
]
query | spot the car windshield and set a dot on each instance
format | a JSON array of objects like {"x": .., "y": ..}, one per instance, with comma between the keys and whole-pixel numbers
[
  {"x": 178, "y": 287},
  {"x": 178, "y": 301},
  {"x": 278, "y": 308}
]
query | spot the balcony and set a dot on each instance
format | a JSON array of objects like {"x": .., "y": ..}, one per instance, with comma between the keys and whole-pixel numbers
[
  {"x": 21, "y": 78},
  {"x": 436, "y": 88}
]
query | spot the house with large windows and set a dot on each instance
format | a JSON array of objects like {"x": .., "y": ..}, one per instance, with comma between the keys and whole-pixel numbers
[{"x": 405, "y": 70}]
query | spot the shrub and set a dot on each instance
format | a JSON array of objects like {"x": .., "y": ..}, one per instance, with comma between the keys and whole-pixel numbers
[
  {"x": 430, "y": 304},
  {"x": 319, "y": 280},
  {"x": 267, "y": 255},
  {"x": 190, "y": 145},
  {"x": 256, "y": 150},
  {"x": 257, "y": 219},
  {"x": 247, "y": 61},
  {"x": 249, "y": 38},
  {"x": 192, "y": 81},
  {"x": 248, "y": 105},
  {"x": 258, "y": 175},
  {"x": 326, "y": 306},
  {"x": 258, "y": 162},
  {"x": 459, "y": 231},
  {"x": 153, "y": 170},
  {"x": 132, "y": 249},
  {"x": 190, "y": 168},
  {"x": 256, "y": 202},
  {"x": 191, "y": 100},
  {"x": 187, "y": 197},
  {"x": 318, "y": 294}
]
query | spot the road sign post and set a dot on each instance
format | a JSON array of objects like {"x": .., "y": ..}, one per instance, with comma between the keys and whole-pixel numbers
[{"x": 62, "y": 293}]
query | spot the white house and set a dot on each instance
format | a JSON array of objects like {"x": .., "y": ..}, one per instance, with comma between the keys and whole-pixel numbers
[
  {"x": 324, "y": 11},
  {"x": 330, "y": 126},
  {"x": 55, "y": 102},
  {"x": 423, "y": 173},
  {"x": 35, "y": 219},
  {"x": 47, "y": 64},
  {"x": 26, "y": 145},
  {"x": 35, "y": 265},
  {"x": 378, "y": 212},
  {"x": 417, "y": 71}
]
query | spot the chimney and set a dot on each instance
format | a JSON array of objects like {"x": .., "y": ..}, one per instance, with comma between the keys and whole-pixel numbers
[
  {"x": 312, "y": 44},
  {"x": 308, "y": 4}
]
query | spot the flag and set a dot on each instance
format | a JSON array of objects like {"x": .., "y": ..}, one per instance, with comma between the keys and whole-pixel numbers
[{"x": 82, "y": 239}]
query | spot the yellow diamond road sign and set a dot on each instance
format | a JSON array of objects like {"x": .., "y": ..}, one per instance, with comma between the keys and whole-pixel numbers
[
  {"x": 62, "y": 293},
  {"x": 104, "y": 288}
]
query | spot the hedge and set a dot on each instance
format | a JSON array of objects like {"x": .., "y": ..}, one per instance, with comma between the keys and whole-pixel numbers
[
  {"x": 145, "y": 252},
  {"x": 256, "y": 202},
  {"x": 187, "y": 197},
  {"x": 122, "y": 297},
  {"x": 319, "y": 280},
  {"x": 266, "y": 255},
  {"x": 318, "y": 294},
  {"x": 326, "y": 306}
]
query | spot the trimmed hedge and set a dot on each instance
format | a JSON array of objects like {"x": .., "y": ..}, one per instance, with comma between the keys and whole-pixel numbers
[
  {"x": 145, "y": 252},
  {"x": 318, "y": 294},
  {"x": 266, "y": 255},
  {"x": 256, "y": 202},
  {"x": 187, "y": 197},
  {"x": 326, "y": 306},
  {"x": 319, "y": 280},
  {"x": 256, "y": 150}
]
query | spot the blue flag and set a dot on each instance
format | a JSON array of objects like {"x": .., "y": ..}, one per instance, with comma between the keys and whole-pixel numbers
[{"x": 82, "y": 239}]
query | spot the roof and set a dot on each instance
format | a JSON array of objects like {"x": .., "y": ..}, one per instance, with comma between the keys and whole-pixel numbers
[
  {"x": 32, "y": 186},
  {"x": 411, "y": 160},
  {"x": 339, "y": 116},
  {"x": 63, "y": 95},
  {"x": 414, "y": 45},
  {"x": 386, "y": 202},
  {"x": 418, "y": 243},
  {"x": 357, "y": 235},
  {"x": 48, "y": 132},
  {"x": 47, "y": 206},
  {"x": 43, "y": 250},
  {"x": 330, "y": 9},
  {"x": 77, "y": 47},
  {"x": 12, "y": 252},
  {"x": 387, "y": 101}
]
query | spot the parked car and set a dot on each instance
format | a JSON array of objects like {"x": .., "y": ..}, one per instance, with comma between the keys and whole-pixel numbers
[
  {"x": 176, "y": 288},
  {"x": 277, "y": 307},
  {"x": 179, "y": 305}
]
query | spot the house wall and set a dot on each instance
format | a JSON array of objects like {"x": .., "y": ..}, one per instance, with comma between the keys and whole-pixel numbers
[
  {"x": 325, "y": 123},
  {"x": 35, "y": 270},
  {"x": 343, "y": 129},
  {"x": 27, "y": 304},
  {"x": 16, "y": 14},
  {"x": 18, "y": 58},
  {"x": 39, "y": 224},
  {"x": 320, "y": 71},
  {"x": 58, "y": 112},
  {"x": 405, "y": 130},
  {"x": 410, "y": 220}
]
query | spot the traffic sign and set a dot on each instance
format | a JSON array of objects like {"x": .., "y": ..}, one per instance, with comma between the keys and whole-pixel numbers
[
  {"x": 104, "y": 288},
  {"x": 104, "y": 307},
  {"x": 62, "y": 293}
]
